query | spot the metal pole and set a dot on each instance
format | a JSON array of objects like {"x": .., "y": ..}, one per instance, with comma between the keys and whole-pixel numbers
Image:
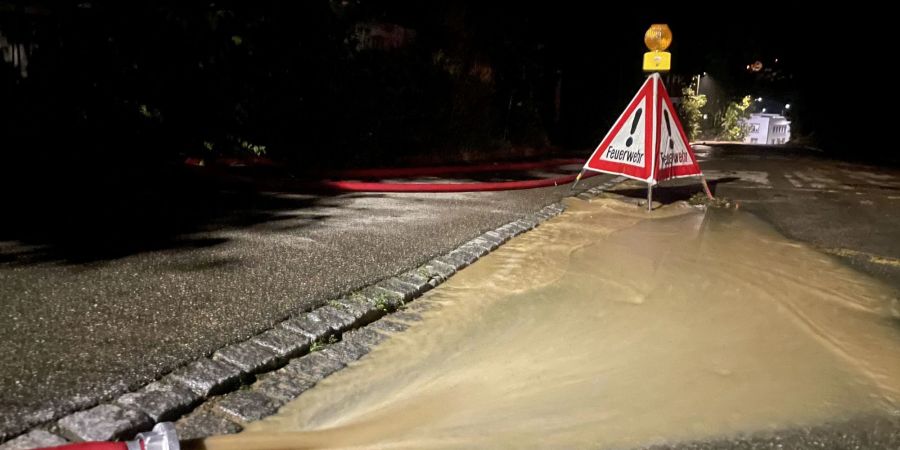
[
  {"x": 577, "y": 179},
  {"x": 706, "y": 187},
  {"x": 649, "y": 197}
]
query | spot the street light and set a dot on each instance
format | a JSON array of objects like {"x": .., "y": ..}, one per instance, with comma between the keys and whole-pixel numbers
[{"x": 698, "y": 82}]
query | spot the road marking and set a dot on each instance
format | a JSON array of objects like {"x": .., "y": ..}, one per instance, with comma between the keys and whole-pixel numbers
[
  {"x": 793, "y": 181},
  {"x": 874, "y": 179}
]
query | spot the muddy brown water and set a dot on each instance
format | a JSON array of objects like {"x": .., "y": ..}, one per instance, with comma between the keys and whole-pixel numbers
[{"x": 609, "y": 327}]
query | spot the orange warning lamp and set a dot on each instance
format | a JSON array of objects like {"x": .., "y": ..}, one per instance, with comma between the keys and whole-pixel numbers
[{"x": 658, "y": 38}]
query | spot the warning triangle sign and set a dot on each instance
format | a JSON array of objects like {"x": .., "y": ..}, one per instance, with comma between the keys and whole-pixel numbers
[
  {"x": 676, "y": 157},
  {"x": 628, "y": 147},
  {"x": 647, "y": 142}
]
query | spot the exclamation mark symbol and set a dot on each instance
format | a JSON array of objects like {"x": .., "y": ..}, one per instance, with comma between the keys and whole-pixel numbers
[
  {"x": 669, "y": 129},
  {"x": 637, "y": 116}
]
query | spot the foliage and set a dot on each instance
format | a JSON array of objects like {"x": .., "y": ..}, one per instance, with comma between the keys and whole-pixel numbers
[
  {"x": 692, "y": 111},
  {"x": 356, "y": 82},
  {"x": 731, "y": 126}
]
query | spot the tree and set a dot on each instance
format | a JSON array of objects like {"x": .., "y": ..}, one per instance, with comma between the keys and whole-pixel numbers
[
  {"x": 731, "y": 127},
  {"x": 691, "y": 110}
]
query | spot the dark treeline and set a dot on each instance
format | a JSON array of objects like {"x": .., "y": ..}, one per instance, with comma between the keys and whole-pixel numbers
[
  {"x": 356, "y": 82},
  {"x": 312, "y": 82}
]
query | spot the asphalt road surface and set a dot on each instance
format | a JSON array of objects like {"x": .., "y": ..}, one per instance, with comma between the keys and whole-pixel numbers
[
  {"x": 104, "y": 310},
  {"x": 91, "y": 310}
]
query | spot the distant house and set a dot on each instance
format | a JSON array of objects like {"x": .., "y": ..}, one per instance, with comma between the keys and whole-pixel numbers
[{"x": 767, "y": 129}]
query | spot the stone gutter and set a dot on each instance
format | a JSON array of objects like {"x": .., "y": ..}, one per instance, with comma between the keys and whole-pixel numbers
[{"x": 250, "y": 380}]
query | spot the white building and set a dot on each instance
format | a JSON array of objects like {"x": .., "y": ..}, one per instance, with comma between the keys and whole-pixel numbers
[{"x": 767, "y": 129}]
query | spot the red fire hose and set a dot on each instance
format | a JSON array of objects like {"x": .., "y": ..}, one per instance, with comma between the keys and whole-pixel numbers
[
  {"x": 401, "y": 172},
  {"x": 363, "y": 186},
  {"x": 351, "y": 180},
  {"x": 162, "y": 437},
  {"x": 338, "y": 180},
  {"x": 92, "y": 446}
]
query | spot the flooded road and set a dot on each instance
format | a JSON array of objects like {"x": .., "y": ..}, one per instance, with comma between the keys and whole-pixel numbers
[{"x": 609, "y": 327}]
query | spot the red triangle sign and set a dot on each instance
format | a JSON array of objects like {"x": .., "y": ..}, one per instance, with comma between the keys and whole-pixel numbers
[
  {"x": 676, "y": 157},
  {"x": 628, "y": 147},
  {"x": 647, "y": 142}
]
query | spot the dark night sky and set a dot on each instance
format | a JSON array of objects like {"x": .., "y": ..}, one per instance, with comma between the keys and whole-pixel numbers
[{"x": 830, "y": 55}]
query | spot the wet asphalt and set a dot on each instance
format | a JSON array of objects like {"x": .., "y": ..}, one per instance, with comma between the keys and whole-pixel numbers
[
  {"x": 84, "y": 320},
  {"x": 76, "y": 330}
]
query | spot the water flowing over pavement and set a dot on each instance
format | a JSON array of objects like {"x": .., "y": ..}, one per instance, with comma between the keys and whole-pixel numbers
[{"x": 608, "y": 327}]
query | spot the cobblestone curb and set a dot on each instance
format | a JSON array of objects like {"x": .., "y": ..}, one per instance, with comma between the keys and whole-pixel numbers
[{"x": 249, "y": 380}]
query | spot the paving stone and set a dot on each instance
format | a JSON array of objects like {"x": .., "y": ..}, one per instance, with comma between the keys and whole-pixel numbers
[
  {"x": 549, "y": 213},
  {"x": 475, "y": 251},
  {"x": 414, "y": 277},
  {"x": 248, "y": 356},
  {"x": 455, "y": 259},
  {"x": 283, "y": 386},
  {"x": 337, "y": 320},
  {"x": 245, "y": 405},
  {"x": 439, "y": 271},
  {"x": 283, "y": 342},
  {"x": 33, "y": 439},
  {"x": 366, "y": 337},
  {"x": 347, "y": 351},
  {"x": 521, "y": 225},
  {"x": 486, "y": 244},
  {"x": 207, "y": 377},
  {"x": 161, "y": 401},
  {"x": 407, "y": 291},
  {"x": 382, "y": 298},
  {"x": 510, "y": 231},
  {"x": 315, "y": 365},
  {"x": 104, "y": 423},
  {"x": 357, "y": 306},
  {"x": 13, "y": 426},
  {"x": 469, "y": 254},
  {"x": 482, "y": 243},
  {"x": 496, "y": 235},
  {"x": 493, "y": 239},
  {"x": 420, "y": 283},
  {"x": 311, "y": 326},
  {"x": 529, "y": 223},
  {"x": 203, "y": 423}
]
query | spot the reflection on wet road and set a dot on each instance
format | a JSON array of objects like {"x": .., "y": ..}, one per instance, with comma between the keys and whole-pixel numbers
[{"x": 612, "y": 327}]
